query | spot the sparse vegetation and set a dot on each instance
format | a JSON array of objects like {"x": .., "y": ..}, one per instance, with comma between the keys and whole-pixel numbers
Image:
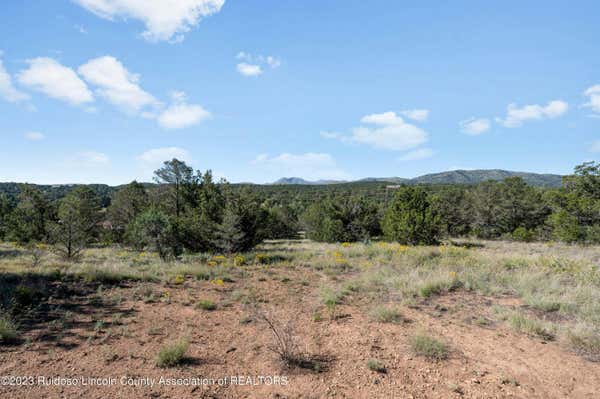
[
  {"x": 206, "y": 304},
  {"x": 173, "y": 354},
  {"x": 376, "y": 365},
  {"x": 428, "y": 346}
]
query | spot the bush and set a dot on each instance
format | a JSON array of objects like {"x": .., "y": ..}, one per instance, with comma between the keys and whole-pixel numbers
[
  {"x": 376, "y": 365},
  {"x": 522, "y": 234},
  {"x": 206, "y": 304},
  {"x": 153, "y": 228},
  {"x": 411, "y": 219},
  {"x": 429, "y": 347},
  {"x": 565, "y": 227},
  {"x": 384, "y": 314},
  {"x": 173, "y": 354},
  {"x": 336, "y": 219},
  {"x": 8, "y": 329}
]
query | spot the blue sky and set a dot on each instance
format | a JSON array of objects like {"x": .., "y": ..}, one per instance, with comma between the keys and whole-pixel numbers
[{"x": 103, "y": 90}]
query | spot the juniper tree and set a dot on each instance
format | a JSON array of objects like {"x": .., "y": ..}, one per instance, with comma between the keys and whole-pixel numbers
[{"x": 78, "y": 218}]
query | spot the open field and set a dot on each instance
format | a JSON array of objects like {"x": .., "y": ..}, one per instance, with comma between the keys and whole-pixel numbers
[{"x": 466, "y": 319}]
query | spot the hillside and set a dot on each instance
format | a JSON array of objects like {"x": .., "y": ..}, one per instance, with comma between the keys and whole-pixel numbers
[{"x": 449, "y": 177}]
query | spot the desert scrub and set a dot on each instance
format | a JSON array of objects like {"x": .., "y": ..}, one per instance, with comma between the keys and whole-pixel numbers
[
  {"x": 586, "y": 342},
  {"x": 386, "y": 314},
  {"x": 530, "y": 326},
  {"x": 429, "y": 347},
  {"x": 376, "y": 365},
  {"x": 206, "y": 304},
  {"x": 8, "y": 329},
  {"x": 173, "y": 354}
]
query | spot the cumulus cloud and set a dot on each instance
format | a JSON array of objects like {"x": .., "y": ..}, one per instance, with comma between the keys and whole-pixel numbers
[
  {"x": 180, "y": 114},
  {"x": 48, "y": 76},
  {"x": 416, "y": 155},
  {"x": 156, "y": 156},
  {"x": 252, "y": 65},
  {"x": 34, "y": 136},
  {"x": 116, "y": 84},
  {"x": 387, "y": 131},
  {"x": 419, "y": 115},
  {"x": 164, "y": 19},
  {"x": 475, "y": 126},
  {"x": 310, "y": 165},
  {"x": 7, "y": 89},
  {"x": 516, "y": 116},
  {"x": 593, "y": 94},
  {"x": 249, "y": 69}
]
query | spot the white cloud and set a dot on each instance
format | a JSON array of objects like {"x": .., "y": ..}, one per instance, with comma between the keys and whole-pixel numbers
[
  {"x": 180, "y": 114},
  {"x": 385, "y": 118},
  {"x": 156, "y": 156},
  {"x": 516, "y": 116},
  {"x": 164, "y": 19},
  {"x": 252, "y": 65},
  {"x": 390, "y": 132},
  {"x": 116, "y": 84},
  {"x": 595, "y": 146},
  {"x": 249, "y": 69},
  {"x": 48, "y": 76},
  {"x": 34, "y": 136},
  {"x": 310, "y": 165},
  {"x": 7, "y": 89},
  {"x": 593, "y": 94},
  {"x": 419, "y": 115},
  {"x": 475, "y": 126},
  {"x": 421, "y": 153},
  {"x": 92, "y": 158}
]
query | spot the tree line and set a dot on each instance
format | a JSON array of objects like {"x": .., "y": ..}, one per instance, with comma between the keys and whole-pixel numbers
[{"x": 188, "y": 210}]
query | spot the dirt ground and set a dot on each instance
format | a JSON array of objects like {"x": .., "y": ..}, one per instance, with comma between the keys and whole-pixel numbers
[{"x": 121, "y": 339}]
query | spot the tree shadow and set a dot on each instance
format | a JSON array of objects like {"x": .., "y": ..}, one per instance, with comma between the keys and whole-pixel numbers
[{"x": 54, "y": 309}]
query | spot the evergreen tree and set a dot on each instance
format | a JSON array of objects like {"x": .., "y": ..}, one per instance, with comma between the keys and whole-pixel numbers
[
  {"x": 411, "y": 219},
  {"x": 78, "y": 218},
  {"x": 127, "y": 203},
  {"x": 152, "y": 228}
]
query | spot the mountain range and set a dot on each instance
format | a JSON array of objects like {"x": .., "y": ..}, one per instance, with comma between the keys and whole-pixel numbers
[{"x": 449, "y": 177}]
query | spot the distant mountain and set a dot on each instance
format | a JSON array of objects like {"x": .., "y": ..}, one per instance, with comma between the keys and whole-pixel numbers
[
  {"x": 479, "y": 175},
  {"x": 299, "y": 180},
  {"x": 450, "y": 177}
]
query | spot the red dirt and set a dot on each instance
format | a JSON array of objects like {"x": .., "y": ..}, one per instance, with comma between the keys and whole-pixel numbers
[{"x": 484, "y": 362}]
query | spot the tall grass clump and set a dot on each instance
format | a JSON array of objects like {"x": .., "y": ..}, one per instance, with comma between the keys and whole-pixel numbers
[
  {"x": 428, "y": 346},
  {"x": 173, "y": 354}
]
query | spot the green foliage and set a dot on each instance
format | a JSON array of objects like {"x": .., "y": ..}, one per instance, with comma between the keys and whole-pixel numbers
[
  {"x": 29, "y": 220},
  {"x": 429, "y": 347},
  {"x": 77, "y": 225},
  {"x": 126, "y": 205},
  {"x": 522, "y": 234},
  {"x": 206, "y": 304},
  {"x": 376, "y": 365},
  {"x": 8, "y": 328},
  {"x": 153, "y": 228},
  {"x": 337, "y": 219},
  {"x": 172, "y": 355},
  {"x": 411, "y": 219}
]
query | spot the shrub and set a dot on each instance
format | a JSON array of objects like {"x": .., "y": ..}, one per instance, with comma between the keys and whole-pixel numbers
[
  {"x": 522, "y": 234},
  {"x": 384, "y": 314},
  {"x": 8, "y": 329},
  {"x": 411, "y": 218},
  {"x": 173, "y": 354},
  {"x": 530, "y": 326},
  {"x": 429, "y": 347},
  {"x": 206, "y": 304},
  {"x": 376, "y": 365}
]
